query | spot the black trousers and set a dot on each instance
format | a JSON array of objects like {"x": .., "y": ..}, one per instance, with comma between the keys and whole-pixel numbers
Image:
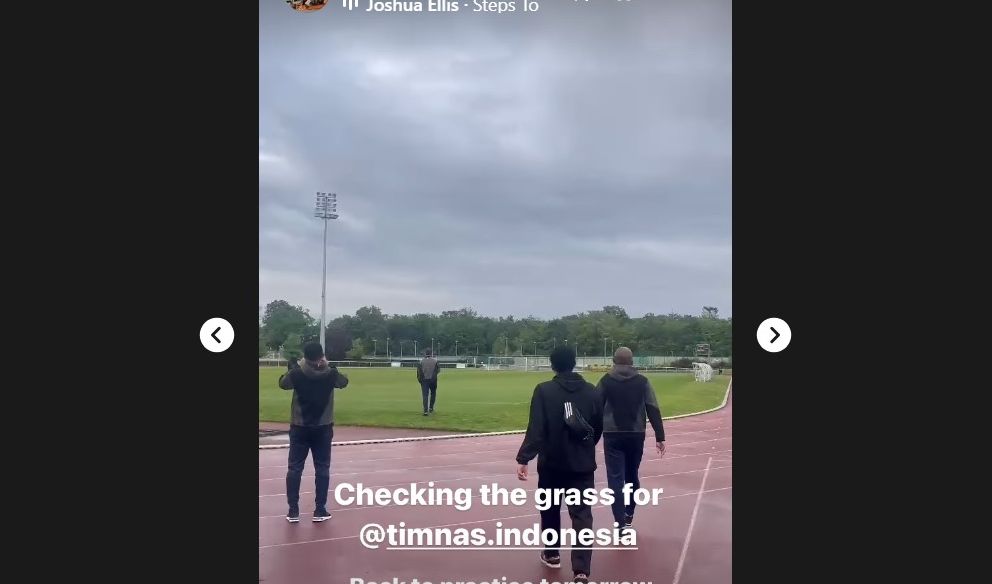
[
  {"x": 581, "y": 515},
  {"x": 428, "y": 388},
  {"x": 315, "y": 440},
  {"x": 623, "y": 452}
]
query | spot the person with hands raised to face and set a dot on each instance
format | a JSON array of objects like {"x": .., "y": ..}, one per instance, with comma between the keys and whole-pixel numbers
[{"x": 311, "y": 429}]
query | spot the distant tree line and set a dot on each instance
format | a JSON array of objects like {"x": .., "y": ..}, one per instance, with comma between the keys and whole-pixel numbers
[{"x": 285, "y": 327}]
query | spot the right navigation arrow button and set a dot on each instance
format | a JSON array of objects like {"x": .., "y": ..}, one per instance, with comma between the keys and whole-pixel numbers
[{"x": 774, "y": 335}]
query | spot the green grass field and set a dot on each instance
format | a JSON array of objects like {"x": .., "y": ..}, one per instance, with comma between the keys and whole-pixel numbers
[{"x": 468, "y": 400}]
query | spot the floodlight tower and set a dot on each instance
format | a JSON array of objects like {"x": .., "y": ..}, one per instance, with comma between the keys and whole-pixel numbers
[{"x": 325, "y": 207}]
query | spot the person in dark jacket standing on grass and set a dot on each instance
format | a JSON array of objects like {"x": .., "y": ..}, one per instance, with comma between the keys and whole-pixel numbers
[
  {"x": 628, "y": 404},
  {"x": 566, "y": 423},
  {"x": 427, "y": 372},
  {"x": 311, "y": 428}
]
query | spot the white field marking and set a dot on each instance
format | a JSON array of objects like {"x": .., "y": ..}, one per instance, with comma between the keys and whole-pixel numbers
[
  {"x": 411, "y": 455},
  {"x": 490, "y": 440},
  {"x": 692, "y": 523},
  {"x": 410, "y": 439},
  {"x": 278, "y": 545},
  {"x": 478, "y": 434},
  {"x": 283, "y": 466},
  {"x": 436, "y": 481},
  {"x": 722, "y": 405},
  {"x": 487, "y": 442},
  {"x": 392, "y": 448},
  {"x": 282, "y": 478},
  {"x": 341, "y": 509}
]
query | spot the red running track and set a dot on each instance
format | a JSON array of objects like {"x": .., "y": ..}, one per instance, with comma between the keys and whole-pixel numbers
[{"x": 685, "y": 539}]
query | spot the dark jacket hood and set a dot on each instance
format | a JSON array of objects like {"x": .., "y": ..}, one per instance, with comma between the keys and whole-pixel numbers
[
  {"x": 570, "y": 381},
  {"x": 313, "y": 370},
  {"x": 623, "y": 372}
]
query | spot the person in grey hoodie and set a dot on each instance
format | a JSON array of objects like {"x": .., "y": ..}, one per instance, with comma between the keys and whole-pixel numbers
[
  {"x": 427, "y": 372},
  {"x": 628, "y": 404},
  {"x": 311, "y": 427}
]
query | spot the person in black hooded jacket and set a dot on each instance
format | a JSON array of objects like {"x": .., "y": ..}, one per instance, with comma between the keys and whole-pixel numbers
[
  {"x": 629, "y": 403},
  {"x": 311, "y": 426},
  {"x": 566, "y": 423}
]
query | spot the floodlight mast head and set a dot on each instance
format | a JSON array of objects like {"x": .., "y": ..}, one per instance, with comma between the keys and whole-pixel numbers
[{"x": 325, "y": 206}]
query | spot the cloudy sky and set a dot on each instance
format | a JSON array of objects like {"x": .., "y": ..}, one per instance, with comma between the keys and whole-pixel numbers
[{"x": 528, "y": 163}]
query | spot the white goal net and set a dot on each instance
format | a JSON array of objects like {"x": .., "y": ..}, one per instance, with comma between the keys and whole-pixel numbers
[
  {"x": 702, "y": 371},
  {"x": 518, "y": 364}
]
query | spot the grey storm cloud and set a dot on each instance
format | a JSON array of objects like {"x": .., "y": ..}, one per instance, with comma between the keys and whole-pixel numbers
[{"x": 526, "y": 163}]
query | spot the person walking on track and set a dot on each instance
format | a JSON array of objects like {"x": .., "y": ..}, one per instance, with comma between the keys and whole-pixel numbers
[
  {"x": 311, "y": 428},
  {"x": 427, "y": 372},
  {"x": 566, "y": 423},
  {"x": 628, "y": 404}
]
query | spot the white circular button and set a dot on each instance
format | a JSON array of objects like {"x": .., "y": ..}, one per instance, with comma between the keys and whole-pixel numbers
[
  {"x": 774, "y": 335},
  {"x": 216, "y": 335}
]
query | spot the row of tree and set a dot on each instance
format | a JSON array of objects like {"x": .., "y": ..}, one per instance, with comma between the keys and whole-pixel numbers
[{"x": 284, "y": 327}]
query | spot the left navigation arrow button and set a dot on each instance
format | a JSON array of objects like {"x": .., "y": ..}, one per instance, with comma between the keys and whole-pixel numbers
[{"x": 216, "y": 335}]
